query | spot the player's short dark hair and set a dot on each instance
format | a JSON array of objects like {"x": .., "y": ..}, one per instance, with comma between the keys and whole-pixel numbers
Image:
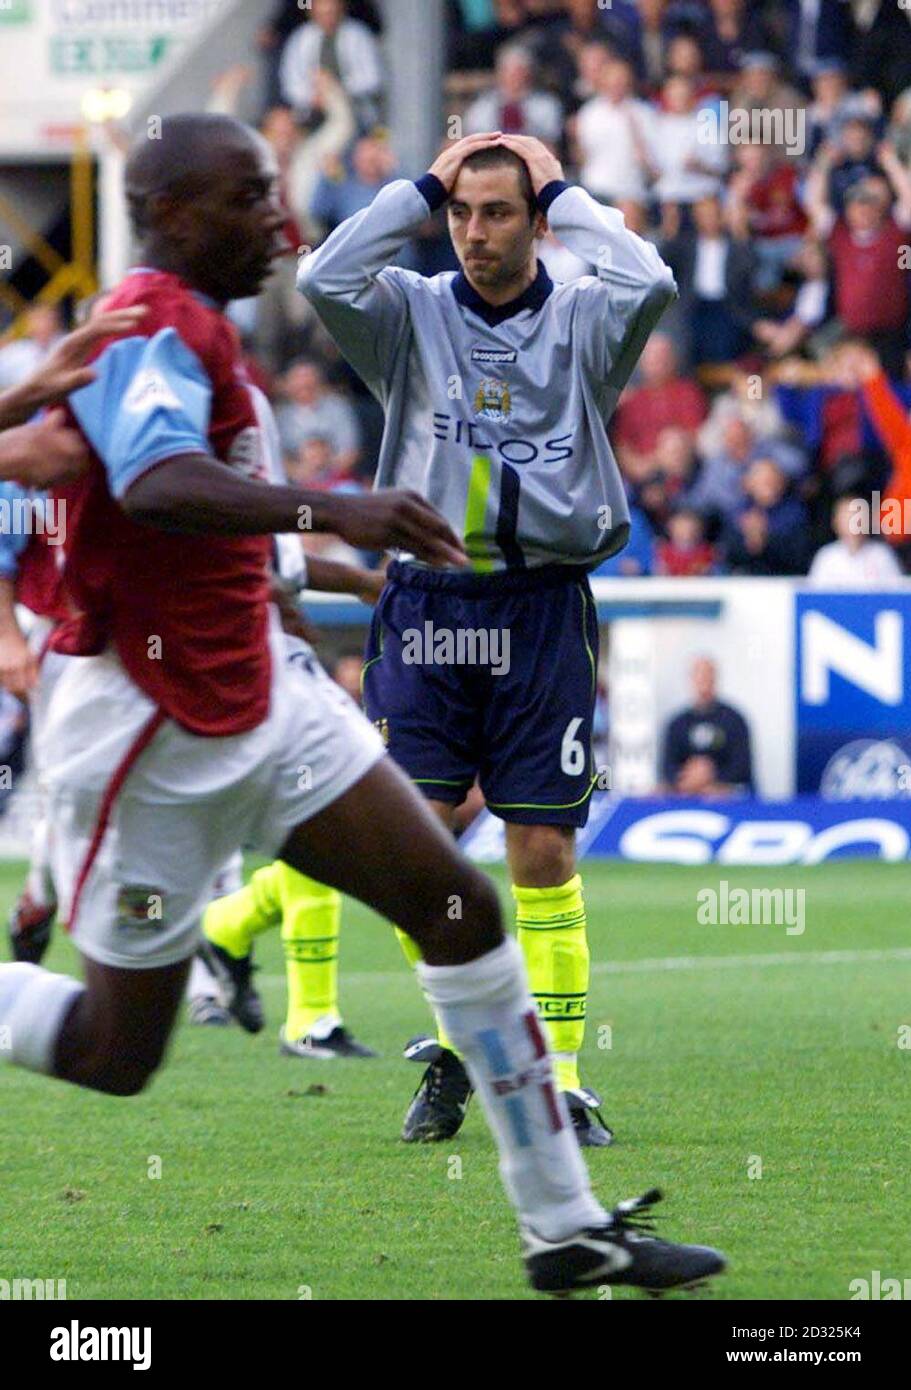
[
  {"x": 499, "y": 157},
  {"x": 177, "y": 160}
]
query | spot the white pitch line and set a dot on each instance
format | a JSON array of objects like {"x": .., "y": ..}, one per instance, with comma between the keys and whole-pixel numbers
[{"x": 665, "y": 963}]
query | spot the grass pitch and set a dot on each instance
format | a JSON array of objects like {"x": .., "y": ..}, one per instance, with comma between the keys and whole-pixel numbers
[{"x": 734, "y": 1051}]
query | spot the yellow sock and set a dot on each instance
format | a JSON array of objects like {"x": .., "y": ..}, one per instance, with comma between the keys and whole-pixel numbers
[
  {"x": 233, "y": 921},
  {"x": 551, "y": 929},
  {"x": 413, "y": 955},
  {"x": 311, "y": 922}
]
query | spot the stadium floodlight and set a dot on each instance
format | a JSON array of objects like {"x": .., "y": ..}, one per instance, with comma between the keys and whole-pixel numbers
[{"x": 103, "y": 104}]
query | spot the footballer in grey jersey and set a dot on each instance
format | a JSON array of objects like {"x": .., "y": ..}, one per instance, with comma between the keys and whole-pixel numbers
[{"x": 497, "y": 386}]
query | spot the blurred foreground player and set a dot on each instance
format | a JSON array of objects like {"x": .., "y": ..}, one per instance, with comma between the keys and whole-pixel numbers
[
  {"x": 182, "y": 733},
  {"x": 497, "y": 386},
  {"x": 308, "y": 914}
]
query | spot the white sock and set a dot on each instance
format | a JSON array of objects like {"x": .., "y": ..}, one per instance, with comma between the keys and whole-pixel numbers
[
  {"x": 201, "y": 983},
  {"x": 33, "y": 1006},
  {"x": 39, "y": 885},
  {"x": 486, "y": 1009}
]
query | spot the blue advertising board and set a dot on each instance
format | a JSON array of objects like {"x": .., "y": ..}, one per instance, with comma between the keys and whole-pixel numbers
[
  {"x": 806, "y": 830},
  {"x": 853, "y": 694}
]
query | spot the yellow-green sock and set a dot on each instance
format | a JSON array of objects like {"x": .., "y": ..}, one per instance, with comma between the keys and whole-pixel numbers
[
  {"x": 551, "y": 930},
  {"x": 233, "y": 921},
  {"x": 311, "y": 923},
  {"x": 412, "y": 955}
]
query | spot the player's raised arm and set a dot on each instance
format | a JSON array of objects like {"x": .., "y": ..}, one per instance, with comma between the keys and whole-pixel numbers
[
  {"x": 347, "y": 281},
  {"x": 65, "y": 369},
  {"x": 635, "y": 284}
]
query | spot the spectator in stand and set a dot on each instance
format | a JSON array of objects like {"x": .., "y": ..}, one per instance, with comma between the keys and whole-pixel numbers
[
  {"x": 869, "y": 268},
  {"x": 834, "y": 103},
  {"x": 855, "y": 559},
  {"x": 610, "y": 132},
  {"x": 334, "y": 43},
  {"x": 311, "y": 409},
  {"x": 849, "y": 159},
  {"x": 287, "y": 17},
  {"x": 277, "y": 320},
  {"x": 813, "y": 33},
  {"x": 686, "y": 553},
  {"x": 714, "y": 266},
  {"x": 765, "y": 188},
  {"x": 731, "y": 30},
  {"x": 684, "y": 58},
  {"x": 684, "y": 165},
  {"x": 342, "y": 192},
  {"x": 761, "y": 88},
  {"x": 720, "y": 485},
  {"x": 637, "y": 556},
  {"x": 481, "y": 29},
  {"x": 768, "y": 534},
  {"x": 891, "y": 422},
  {"x": 899, "y": 132},
  {"x": 20, "y": 357},
  {"x": 317, "y": 465},
  {"x": 882, "y": 57},
  {"x": 780, "y": 337},
  {"x": 707, "y": 746},
  {"x": 661, "y": 398},
  {"x": 515, "y": 105}
]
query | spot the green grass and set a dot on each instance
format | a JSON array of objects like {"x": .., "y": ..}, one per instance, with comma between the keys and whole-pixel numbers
[{"x": 265, "y": 1188}]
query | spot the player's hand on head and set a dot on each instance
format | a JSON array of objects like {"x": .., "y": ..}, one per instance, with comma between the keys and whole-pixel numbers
[
  {"x": 64, "y": 370},
  {"x": 543, "y": 165},
  {"x": 18, "y": 665},
  {"x": 392, "y": 520},
  {"x": 449, "y": 161},
  {"x": 50, "y": 453}
]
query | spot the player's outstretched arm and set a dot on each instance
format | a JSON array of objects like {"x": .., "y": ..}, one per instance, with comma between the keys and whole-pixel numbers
[
  {"x": 45, "y": 454},
  {"x": 194, "y": 494},
  {"x": 65, "y": 369}
]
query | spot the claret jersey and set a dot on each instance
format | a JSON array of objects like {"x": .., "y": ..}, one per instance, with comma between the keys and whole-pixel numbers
[{"x": 188, "y": 615}]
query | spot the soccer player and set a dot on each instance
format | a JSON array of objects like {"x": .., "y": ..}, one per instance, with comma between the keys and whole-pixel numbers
[
  {"x": 182, "y": 733},
  {"x": 498, "y": 386},
  {"x": 39, "y": 452},
  {"x": 308, "y": 913}
]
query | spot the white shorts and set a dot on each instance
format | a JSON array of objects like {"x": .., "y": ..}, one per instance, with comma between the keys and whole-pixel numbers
[{"x": 186, "y": 803}]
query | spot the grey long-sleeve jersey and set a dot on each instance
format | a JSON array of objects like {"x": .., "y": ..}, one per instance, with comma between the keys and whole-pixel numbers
[{"x": 497, "y": 417}]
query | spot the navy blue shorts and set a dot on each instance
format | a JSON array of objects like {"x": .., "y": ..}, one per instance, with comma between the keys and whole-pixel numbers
[{"x": 493, "y": 676}]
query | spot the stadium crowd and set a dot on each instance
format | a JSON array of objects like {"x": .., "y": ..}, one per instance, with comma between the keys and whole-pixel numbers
[{"x": 764, "y": 147}]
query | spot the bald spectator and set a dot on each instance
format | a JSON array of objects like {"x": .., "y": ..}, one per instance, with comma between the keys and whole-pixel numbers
[
  {"x": 341, "y": 46},
  {"x": 20, "y": 357},
  {"x": 662, "y": 398},
  {"x": 515, "y": 105},
  {"x": 312, "y": 410},
  {"x": 707, "y": 745}
]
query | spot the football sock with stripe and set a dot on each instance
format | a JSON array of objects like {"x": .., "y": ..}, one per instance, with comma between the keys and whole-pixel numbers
[
  {"x": 233, "y": 921},
  {"x": 551, "y": 930},
  {"x": 311, "y": 923},
  {"x": 488, "y": 1013}
]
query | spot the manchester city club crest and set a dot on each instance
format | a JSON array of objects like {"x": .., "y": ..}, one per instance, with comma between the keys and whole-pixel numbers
[{"x": 493, "y": 400}]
